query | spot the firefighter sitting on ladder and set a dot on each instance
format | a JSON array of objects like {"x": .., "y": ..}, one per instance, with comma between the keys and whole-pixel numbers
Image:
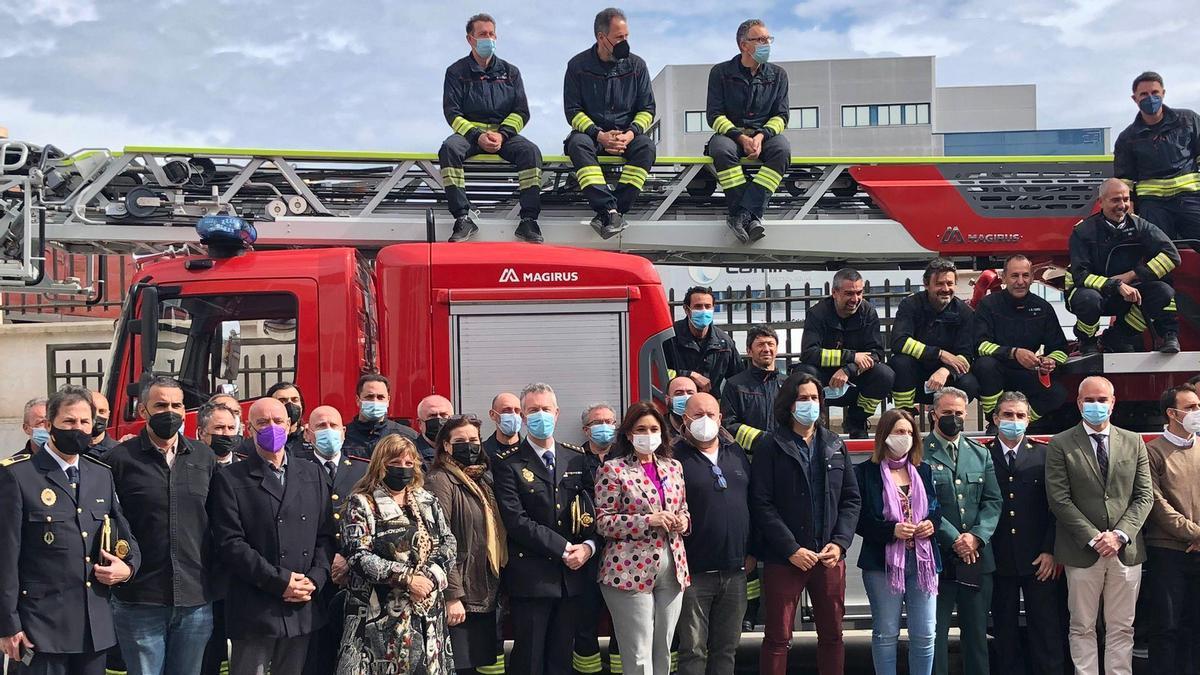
[
  {"x": 1119, "y": 266},
  {"x": 484, "y": 102},
  {"x": 1158, "y": 156},
  {"x": 748, "y": 111},
  {"x": 610, "y": 105}
]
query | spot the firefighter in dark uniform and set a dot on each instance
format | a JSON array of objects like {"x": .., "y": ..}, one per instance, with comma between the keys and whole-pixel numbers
[
  {"x": 748, "y": 396},
  {"x": 63, "y": 542},
  {"x": 841, "y": 347},
  {"x": 699, "y": 349},
  {"x": 748, "y": 110},
  {"x": 371, "y": 423},
  {"x": 1119, "y": 266},
  {"x": 324, "y": 436},
  {"x": 1158, "y": 156},
  {"x": 484, "y": 103},
  {"x": 932, "y": 340},
  {"x": 544, "y": 493},
  {"x": 1023, "y": 547},
  {"x": 600, "y": 429},
  {"x": 1010, "y": 327},
  {"x": 610, "y": 106}
]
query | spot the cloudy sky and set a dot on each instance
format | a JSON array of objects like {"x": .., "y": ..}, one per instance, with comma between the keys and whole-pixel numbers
[{"x": 358, "y": 74}]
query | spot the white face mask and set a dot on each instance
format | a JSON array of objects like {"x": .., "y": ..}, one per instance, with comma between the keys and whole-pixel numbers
[
  {"x": 898, "y": 445},
  {"x": 704, "y": 429},
  {"x": 646, "y": 444},
  {"x": 1191, "y": 422}
]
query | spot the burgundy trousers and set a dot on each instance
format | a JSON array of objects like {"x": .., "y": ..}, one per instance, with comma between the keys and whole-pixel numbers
[{"x": 782, "y": 587}]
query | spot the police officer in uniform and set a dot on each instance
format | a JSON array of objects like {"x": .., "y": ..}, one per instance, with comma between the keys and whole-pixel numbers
[
  {"x": 1119, "y": 265},
  {"x": 932, "y": 340},
  {"x": 544, "y": 493},
  {"x": 1023, "y": 547},
  {"x": 748, "y": 110},
  {"x": 484, "y": 103},
  {"x": 1157, "y": 155},
  {"x": 505, "y": 413},
  {"x": 966, "y": 486},
  {"x": 373, "y": 394},
  {"x": 747, "y": 400},
  {"x": 1010, "y": 327},
  {"x": 63, "y": 542},
  {"x": 841, "y": 347},
  {"x": 610, "y": 106}
]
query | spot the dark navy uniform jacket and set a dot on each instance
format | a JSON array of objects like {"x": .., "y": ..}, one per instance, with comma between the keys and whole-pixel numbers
[{"x": 49, "y": 540}]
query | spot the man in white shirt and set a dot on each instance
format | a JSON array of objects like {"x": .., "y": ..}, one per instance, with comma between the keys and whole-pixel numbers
[{"x": 1099, "y": 489}]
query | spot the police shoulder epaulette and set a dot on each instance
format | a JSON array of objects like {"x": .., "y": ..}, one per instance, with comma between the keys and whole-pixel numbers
[
  {"x": 93, "y": 460},
  {"x": 356, "y": 458},
  {"x": 505, "y": 454},
  {"x": 568, "y": 446},
  {"x": 1078, "y": 223},
  {"x": 1037, "y": 441},
  {"x": 9, "y": 461}
]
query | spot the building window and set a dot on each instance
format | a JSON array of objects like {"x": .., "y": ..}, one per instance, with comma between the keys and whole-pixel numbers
[
  {"x": 695, "y": 122},
  {"x": 802, "y": 118},
  {"x": 885, "y": 115}
]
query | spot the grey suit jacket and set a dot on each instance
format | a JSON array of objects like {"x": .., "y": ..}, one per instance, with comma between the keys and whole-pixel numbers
[{"x": 1084, "y": 504}]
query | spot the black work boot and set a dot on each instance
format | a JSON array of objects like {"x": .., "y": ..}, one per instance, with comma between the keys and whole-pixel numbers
[
  {"x": 529, "y": 231},
  {"x": 855, "y": 425},
  {"x": 1088, "y": 346},
  {"x": 1117, "y": 341},
  {"x": 464, "y": 228},
  {"x": 1170, "y": 343},
  {"x": 616, "y": 224},
  {"x": 755, "y": 228},
  {"x": 737, "y": 222}
]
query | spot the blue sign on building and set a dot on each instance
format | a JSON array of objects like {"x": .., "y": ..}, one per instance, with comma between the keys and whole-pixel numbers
[{"x": 1040, "y": 142}]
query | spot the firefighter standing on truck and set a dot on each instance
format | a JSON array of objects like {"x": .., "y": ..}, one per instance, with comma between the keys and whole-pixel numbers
[
  {"x": 484, "y": 102},
  {"x": 932, "y": 340},
  {"x": 841, "y": 347},
  {"x": 699, "y": 349},
  {"x": 610, "y": 105},
  {"x": 748, "y": 111},
  {"x": 1010, "y": 327},
  {"x": 1119, "y": 266},
  {"x": 1157, "y": 156}
]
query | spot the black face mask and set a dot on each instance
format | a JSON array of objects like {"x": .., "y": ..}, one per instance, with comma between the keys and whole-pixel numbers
[
  {"x": 398, "y": 477},
  {"x": 621, "y": 50},
  {"x": 465, "y": 453},
  {"x": 165, "y": 424},
  {"x": 70, "y": 441},
  {"x": 293, "y": 412},
  {"x": 99, "y": 426},
  {"x": 432, "y": 426},
  {"x": 223, "y": 445},
  {"x": 950, "y": 425}
]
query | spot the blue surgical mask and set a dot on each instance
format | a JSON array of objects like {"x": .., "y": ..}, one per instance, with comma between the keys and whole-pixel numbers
[
  {"x": 540, "y": 425},
  {"x": 831, "y": 393},
  {"x": 1012, "y": 429},
  {"x": 762, "y": 54},
  {"x": 328, "y": 442},
  {"x": 602, "y": 434},
  {"x": 679, "y": 403},
  {"x": 806, "y": 412},
  {"x": 701, "y": 318},
  {"x": 1095, "y": 413},
  {"x": 485, "y": 47},
  {"x": 510, "y": 424},
  {"x": 40, "y": 436},
  {"x": 373, "y": 410},
  {"x": 1150, "y": 105}
]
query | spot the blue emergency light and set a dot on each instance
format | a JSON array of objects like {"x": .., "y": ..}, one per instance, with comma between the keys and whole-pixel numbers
[{"x": 226, "y": 236}]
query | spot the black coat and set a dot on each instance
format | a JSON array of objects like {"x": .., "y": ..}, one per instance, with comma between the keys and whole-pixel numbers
[
  {"x": 716, "y": 358},
  {"x": 1026, "y": 528},
  {"x": 876, "y": 531},
  {"x": 746, "y": 404},
  {"x": 264, "y": 532},
  {"x": 922, "y": 331},
  {"x": 361, "y": 436},
  {"x": 49, "y": 541},
  {"x": 350, "y": 471},
  {"x": 780, "y": 504},
  {"x": 537, "y": 512}
]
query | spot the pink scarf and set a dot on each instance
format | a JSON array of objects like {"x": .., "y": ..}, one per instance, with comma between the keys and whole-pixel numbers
[{"x": 895, "y": 551}]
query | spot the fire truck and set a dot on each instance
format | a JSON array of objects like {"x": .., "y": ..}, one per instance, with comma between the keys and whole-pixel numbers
[{"x": 345, "y": 274}]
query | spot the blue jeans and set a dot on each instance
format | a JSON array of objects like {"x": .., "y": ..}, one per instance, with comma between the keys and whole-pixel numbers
[
  {"x": 159, "y": 640},
  {"x": 921, "y": 609}
]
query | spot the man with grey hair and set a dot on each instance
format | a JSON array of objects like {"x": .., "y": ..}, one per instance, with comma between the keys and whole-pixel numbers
[
  {"x": 600, "y": 429},
  {"x": 1120, "y": 264},
  {"x": 1023, "y": 547},
  {"x": 1101, "y": 492},
  {"x": 544, "y": 494},
  {"x": 483, "y": 99},
  {"x": 35, "y": 425},
  {"x": 841, "y": 346},
  {"x": 747, "y": 109},
  {"x": 966, "y": 486},
  {"x": 609, "y": 104}
]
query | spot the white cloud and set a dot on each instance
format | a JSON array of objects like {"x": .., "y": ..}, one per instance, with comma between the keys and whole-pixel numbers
[
  {"x": 74, "y": 130},
  {"x": 60, "y": 13}
]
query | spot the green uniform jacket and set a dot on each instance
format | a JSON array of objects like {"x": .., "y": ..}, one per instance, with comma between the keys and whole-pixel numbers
[
  {"x": 1084, "y": 505},
  {"x": 969, "y": 495}
]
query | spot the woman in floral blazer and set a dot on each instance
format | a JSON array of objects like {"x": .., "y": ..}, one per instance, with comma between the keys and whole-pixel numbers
[{"x": 641, "y": 511}]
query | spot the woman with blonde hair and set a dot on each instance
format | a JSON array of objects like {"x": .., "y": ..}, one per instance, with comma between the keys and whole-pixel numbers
[{"x": 399, "y": 549}]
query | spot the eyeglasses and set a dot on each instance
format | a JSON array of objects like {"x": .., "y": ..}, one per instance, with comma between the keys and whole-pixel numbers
[
  {"x": 770, "y": 39},
  {"x": 719, "y": 478}
]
